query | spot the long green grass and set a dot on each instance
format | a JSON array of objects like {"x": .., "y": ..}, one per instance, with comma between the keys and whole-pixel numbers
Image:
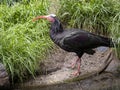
[
  {"x": 23, "y": 43},
  {"x": 97, "y": 16}
]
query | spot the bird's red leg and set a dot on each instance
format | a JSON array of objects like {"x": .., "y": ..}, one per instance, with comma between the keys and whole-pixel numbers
[
  {"x": 74, "y": 63},
  {"x": 78, "y": 68}
]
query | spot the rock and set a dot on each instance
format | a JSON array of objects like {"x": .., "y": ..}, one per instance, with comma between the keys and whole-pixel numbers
[
  {"x": 114, "y": 65},
  {"x": 91, "y": 64},
  {"x": 4, "y": 78}
]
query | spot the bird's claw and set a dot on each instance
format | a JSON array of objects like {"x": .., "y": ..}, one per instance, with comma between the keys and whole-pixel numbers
[
  {"x": 73, "y": 64},
  {"x": 77, "y": 73}
]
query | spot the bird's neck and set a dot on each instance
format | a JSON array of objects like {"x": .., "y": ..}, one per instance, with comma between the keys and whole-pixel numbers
[{"x": 56, "y": 27}]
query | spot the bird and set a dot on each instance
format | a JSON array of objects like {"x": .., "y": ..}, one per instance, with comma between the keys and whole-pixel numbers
[{"x": 74, "y": 40}]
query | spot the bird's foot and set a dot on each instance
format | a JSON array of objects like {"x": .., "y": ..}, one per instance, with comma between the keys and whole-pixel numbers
[
  {"x": 77, "y": 73},
  {"x": 74, "y": 64}
]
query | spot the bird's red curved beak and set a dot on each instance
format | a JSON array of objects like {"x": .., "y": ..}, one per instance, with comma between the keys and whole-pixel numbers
[{"x": 44, "y": 17}]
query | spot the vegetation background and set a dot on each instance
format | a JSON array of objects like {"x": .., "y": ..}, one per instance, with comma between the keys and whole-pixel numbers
[{"x": 23, "y": 43}]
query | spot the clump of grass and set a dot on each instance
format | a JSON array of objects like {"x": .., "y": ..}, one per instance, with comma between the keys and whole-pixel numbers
[
  {"x": 97, "y": 16},
  {"x": 114, "y": 27},
  {"x": 23, "y": 43},
  {"x": 12, "y": 2}
]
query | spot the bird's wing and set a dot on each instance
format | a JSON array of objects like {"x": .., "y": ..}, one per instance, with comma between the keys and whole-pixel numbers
[{"x": 80, "y": 39}]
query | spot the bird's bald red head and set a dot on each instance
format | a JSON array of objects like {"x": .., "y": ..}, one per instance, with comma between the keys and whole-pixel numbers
[{"x": 47, "y": 17}]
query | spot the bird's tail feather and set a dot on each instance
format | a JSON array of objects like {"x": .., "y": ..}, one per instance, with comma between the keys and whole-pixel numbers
[{"x": 107, "y": 41}]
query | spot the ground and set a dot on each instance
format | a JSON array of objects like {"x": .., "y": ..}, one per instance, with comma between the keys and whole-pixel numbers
[{"x": 56, "y": 70}]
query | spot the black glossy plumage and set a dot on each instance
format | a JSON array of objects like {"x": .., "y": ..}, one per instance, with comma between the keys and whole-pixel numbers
[{"x": 76, "y": 40}]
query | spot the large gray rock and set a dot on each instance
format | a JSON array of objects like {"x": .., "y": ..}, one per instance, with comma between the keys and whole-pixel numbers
[
  {"x": 4, "y": 78},
  {"x": 98, "y": 72}
]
